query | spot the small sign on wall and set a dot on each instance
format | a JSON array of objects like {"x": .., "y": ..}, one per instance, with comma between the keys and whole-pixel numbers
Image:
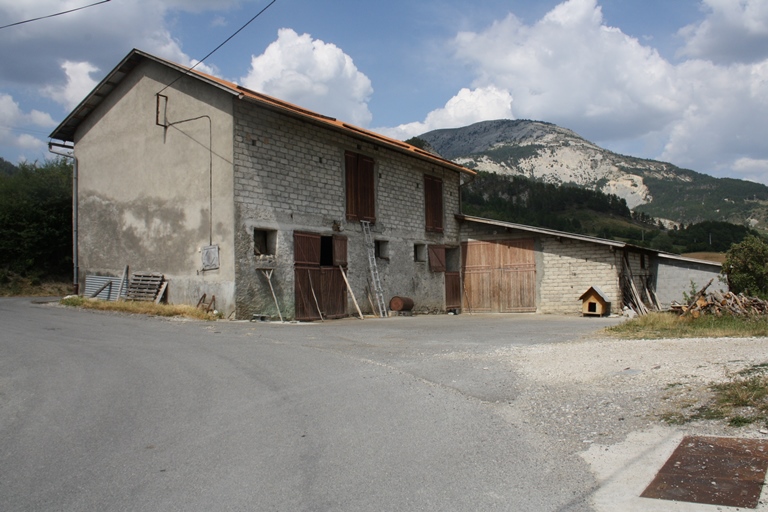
[{"x": 210, "y": 257}]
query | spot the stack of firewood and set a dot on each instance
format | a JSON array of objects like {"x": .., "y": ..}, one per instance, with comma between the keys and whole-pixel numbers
[{"x": 721, "y": 303}]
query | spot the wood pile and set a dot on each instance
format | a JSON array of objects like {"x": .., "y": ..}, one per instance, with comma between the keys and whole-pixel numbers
[{"x": 721, "y": 303}]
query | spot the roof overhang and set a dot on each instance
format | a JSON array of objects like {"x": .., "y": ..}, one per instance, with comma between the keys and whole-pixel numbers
[
  {"x": 66, "y": 130},
  {"x": 545, "y": 231}
]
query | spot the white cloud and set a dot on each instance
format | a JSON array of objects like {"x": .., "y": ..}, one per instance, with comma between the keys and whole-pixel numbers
[
  {"x": 98, "y": 36},
  {"x": 467, "y": 107},
  {"x": 751, "y": 169},
  {"x": 79, "y": 84},
  {"x": 733, "y": 31},
  {"x": 13, "y": 118},
  {"x": 313, "y": 74},
  {"x": 28, "y": 142},
  {"x": 571, "y": 69}
]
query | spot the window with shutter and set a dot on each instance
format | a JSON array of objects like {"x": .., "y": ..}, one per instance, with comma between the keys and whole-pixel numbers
[
  {"x": 361, "y": 187},
  {"x": 437, "y": 258},
  {"x": 433, "y": 203}
]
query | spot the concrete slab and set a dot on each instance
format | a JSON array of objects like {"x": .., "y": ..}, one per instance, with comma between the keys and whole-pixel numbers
[{"x": 626, "y": 469}]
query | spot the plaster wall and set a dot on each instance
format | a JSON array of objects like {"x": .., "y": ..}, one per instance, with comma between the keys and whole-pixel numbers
[
  {"x": 675, "y": 276},
  {"x": 151, "y": 197},
  {"x": 290, "y": 176}
]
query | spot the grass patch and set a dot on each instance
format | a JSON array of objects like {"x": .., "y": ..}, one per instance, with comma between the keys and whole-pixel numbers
[
  {"x": 15, "y": 285},
  {"x": 138, "y": 308},
  {"x": 670, "y": 325},
  {"x": 742, "y": 400}
]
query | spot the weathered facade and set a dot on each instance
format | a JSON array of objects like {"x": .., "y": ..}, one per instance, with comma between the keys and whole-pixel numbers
[
  {"x": 511, "y": 267},
  {"x": 217, "y": 186}
]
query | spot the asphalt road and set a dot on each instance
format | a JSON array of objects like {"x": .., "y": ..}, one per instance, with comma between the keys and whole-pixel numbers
[{"x": 107, "y": 412}]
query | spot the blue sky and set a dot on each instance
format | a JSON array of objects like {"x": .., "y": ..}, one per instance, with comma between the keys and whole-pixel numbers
[{"x": 684, "y": 81}]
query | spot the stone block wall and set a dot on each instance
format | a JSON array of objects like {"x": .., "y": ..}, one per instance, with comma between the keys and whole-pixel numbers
[
  {"x": 570, "y": 267},
  {"x": 289, "y": 176}
]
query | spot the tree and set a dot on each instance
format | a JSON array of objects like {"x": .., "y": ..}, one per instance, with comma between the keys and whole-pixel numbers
[
  {"x": 746, "y": 267},
  {"x": 36, "y": 219}
]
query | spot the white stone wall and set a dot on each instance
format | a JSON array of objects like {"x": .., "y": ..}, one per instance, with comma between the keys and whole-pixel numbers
[
  {"x": 675, "y": 277},
  {"x": 289, "y": 175},
  {"x": 570, "y": 267}
]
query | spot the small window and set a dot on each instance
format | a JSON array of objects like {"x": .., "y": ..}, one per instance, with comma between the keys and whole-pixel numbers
[
  {"x": 382, "y": 249},
  {"x": 419, "y": 252},
  {"x": 264, "y": 242},
  {"x": 437, "y": 258}
]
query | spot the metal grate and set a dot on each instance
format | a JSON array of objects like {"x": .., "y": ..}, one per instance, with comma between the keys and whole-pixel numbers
[
  {"x": 94, "y": 283},
  {"x": 714, "y": 471}
]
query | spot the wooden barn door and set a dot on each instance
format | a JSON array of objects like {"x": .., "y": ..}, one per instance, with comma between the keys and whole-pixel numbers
[
  {"x": 477, "y": 265},
  {"x": 517, "y": 276},
  {"x": 499, "y": 276},
  {"x": 318, "y": 283}
]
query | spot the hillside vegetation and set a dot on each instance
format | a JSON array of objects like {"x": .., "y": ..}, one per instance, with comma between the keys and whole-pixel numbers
[
  {"x": 589, "y": 212},
  {"x": 36, "y": 220},
  {"x": 551, "y": 154}
]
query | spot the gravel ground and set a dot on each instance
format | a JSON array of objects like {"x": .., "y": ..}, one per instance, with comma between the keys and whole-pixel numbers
[{"x": 600, "y": 390}]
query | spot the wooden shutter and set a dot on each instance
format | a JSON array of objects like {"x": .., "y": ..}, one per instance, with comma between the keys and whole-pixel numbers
[
  {"x": 361, "y": 187},
  {"x": 306, "y": 248},
  {"x": 452, "y": 290},
  {"x": 433, "y": 203},
  {"x": 436, "y": 258},
  {"x": 339, "y": 251},
  {"x": 350, "y": 161},
  {"x": 367, "y": 189}
]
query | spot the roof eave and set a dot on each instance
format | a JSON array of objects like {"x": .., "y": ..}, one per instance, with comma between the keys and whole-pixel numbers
[{"x": 65, "y": 131}]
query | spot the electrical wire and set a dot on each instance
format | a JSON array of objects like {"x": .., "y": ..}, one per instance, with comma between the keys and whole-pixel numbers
[
  {"x": 54, "y": 15},
  {"x": 222, "y": 44}
]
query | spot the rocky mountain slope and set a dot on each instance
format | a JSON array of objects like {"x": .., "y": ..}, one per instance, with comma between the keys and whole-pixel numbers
[{"x": 546, "y": 152}]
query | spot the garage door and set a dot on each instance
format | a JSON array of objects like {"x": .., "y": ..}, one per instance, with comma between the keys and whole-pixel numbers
[{"x": 499, "y": 276}]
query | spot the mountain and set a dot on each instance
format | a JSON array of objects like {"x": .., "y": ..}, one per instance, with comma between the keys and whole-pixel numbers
[{"x": 546, "y": 152}]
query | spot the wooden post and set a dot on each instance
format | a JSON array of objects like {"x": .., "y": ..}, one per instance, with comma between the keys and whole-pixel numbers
[
  {"x": 122, "y": 280},
  {"x": 349, "y": 289},
  {"x": 268, "y": 275}
]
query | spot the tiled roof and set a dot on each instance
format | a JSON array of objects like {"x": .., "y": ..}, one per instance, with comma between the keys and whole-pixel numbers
[{"x": 66, "y": 130}]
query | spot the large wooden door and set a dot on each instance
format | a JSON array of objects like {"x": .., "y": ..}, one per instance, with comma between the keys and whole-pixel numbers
[
  {"x": 517, "y": 276},
  {"x": 318, "y": 283},
  {"x": 477, "y": 265},
  {"x": 499, "y": 276}
]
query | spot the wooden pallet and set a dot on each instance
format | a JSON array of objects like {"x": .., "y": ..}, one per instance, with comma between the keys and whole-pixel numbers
[{"x": 146, "y": 286}]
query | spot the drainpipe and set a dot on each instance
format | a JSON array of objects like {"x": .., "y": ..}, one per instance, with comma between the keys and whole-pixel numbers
[{"x": 75, "y": 267}]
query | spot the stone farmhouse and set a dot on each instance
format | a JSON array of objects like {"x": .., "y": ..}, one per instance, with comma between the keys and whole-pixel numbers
[{"x": 278, "y": 211}]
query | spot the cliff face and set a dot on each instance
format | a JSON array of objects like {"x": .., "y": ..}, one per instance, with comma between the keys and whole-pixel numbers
[{"x": 547, "y": 152}]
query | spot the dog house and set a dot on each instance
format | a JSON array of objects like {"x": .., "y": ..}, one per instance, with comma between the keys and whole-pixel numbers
[{"x": 594, "y": 302}]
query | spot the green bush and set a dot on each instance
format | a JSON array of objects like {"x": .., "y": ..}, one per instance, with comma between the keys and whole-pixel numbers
[
  {"x": 36, "y": 219},
  {"x": 746, "y": 267}
]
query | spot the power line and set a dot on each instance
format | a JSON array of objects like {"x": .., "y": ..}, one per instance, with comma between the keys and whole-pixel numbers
[
  {"x": 53, "y": 15},
  {"x": 222, "y": 44}
]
